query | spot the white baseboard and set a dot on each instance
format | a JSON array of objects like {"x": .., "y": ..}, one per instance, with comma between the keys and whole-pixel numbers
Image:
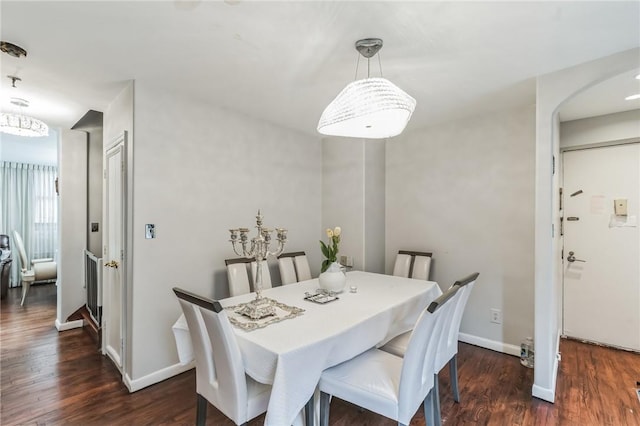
[
  {"x": 62, "y": 326},
  {"x": 544, "y": 393},
  {"x": 490, "y": 344},
  {"x": 156, "y": 376}
]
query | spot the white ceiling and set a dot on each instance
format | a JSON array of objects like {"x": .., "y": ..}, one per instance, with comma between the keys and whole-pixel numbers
[{"x": 284, "y": 61}]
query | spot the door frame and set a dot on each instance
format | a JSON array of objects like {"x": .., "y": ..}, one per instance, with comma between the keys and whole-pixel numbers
[
  {"x": 606, "y": 144},
  {"x": 119, "y": 143}
]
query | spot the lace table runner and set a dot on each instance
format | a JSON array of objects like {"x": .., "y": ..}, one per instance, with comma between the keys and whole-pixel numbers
[{"x": 282, "y": 312}]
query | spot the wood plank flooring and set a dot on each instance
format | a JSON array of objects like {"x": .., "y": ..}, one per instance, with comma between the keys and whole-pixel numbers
[{"x": 52, "y": 378}]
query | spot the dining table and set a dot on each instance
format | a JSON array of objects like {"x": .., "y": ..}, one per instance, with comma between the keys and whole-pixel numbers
[{"x": 291, "y": 354}]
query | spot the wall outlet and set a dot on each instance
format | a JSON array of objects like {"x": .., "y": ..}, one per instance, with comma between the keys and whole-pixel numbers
[{"x": 496, "y": 316}]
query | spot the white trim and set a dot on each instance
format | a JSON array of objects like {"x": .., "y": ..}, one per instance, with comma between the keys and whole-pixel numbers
[
  {"x": 494, "y": 345},
  {"x": 544, "y": 393},
  {"x": 156, "y": 376},
  {"x": 600, "y": 144},
  {"x": 62, "y": 326}
]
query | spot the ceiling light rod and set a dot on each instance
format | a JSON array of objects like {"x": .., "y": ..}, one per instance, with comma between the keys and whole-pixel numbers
[
  {"x": 20, "y": 124},
  {"x": 14, "y": 79},
  {"x": 367, "y": 48}
]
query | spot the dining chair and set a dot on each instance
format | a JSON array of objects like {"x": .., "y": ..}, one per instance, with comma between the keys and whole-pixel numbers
[
  {"x": 266, "y": 274},
  {"x": 44, "y": 269},
  {"x": 238, "y": 276},
  {"x": 287, "y": 270},
  {"x": 389, "y": 385},
  {"x": 5, "y": 274},
  {"x": 449, "y": 341},
  {"x": 303, "y": 271},
  {"x": 412, "y": 264},
  {"x": 294, "y": 267},
  {"x": 220, "y": 375}
]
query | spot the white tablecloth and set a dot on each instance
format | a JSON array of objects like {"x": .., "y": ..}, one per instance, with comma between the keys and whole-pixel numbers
[{"x": 291, "y": 355}]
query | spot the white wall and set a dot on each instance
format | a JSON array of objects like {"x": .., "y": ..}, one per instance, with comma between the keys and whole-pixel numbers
[
  {"x": 465, "y": 192},
  {"x": 199, "y": 171},
  {"x": 342, "y": 194},
  {"x": 23, "y": 149},
  {"x": 374, "y": 205},
  {"x": 353, "y": 198},
  {"x": 94, "y": 201},
  {"x": 72, "y": 234},
  {"x": 601, "y": 129}
]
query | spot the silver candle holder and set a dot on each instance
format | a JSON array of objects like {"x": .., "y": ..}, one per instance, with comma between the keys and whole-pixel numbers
[{"x": 257, "y": 248}]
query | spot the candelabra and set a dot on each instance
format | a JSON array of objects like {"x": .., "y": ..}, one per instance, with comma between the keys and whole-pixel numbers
[{"x": 260, "y": 307}]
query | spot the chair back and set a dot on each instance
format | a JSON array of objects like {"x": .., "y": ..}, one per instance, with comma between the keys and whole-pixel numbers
[
  {"x": 449, "y": 338},
  {"x": 417, "y": 376},
  {"x": 266, "y": 274},
  {"x": 421, "y": 267},
  {"x": 238, "y": 276},
  {"x": 22, "y": 254},
  {"x": 287, "y": 270},
  {"x": 402, "y": 266},
  {"x": 4, "y": 242},
  {"x": 412, "y": 264},
  {"x": 302, "y": 267},
  {"x": 5, "y": 276},
  {"x": 294, "y": 267},
  {"x": 220, "y": 375}
]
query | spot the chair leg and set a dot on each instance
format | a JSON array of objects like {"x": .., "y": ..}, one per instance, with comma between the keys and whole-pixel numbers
[
  {"x": 324, "y": 408},
  {"x": 428, "y": 409},
  {"x": 25, "y": 290},
  {"x": 437, "y": 419},
  {"x": 309, "y": 412},
  {"x": 453, "y": 372},
  {"x": 201, "y": 411}
]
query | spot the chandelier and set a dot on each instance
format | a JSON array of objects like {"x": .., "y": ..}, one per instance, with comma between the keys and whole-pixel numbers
[
  {"x": 22, "y": 125},
  {"x": 372, "y": 108}
]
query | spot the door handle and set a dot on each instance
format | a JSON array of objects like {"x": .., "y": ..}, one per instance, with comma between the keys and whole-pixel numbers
[
  {"x": 112, "y": 264},
  {"x": 572, "y": 258}
]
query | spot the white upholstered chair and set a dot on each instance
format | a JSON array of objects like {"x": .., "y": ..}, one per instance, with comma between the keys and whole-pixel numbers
[
  {"x": 287, "y": 270},
  {"x": 220, "y": 374},
  {"x": 294, "y": 267},
  {"x": 303, "y": 271},
  {"x": 266, "y": 274},
  {"x": 389, "y": 385},
  {"x": 39, "y": 269},
  {"x": 238, "y": 276},
  {"x": 412, "y": 264},
  {"x": 448, "y": 350}
]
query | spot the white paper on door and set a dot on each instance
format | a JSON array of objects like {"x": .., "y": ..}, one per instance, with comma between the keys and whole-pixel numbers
[{"x": 623, "y": 221}]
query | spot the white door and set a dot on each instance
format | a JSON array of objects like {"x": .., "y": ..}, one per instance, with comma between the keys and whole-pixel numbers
[
  {"x": 114, "y": 277},
  {"x": 601, "y": 255}
]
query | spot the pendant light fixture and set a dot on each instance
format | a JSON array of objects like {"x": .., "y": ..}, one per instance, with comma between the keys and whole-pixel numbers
[
  {"x": 20, "y": 124},
  {"x": 372, "y": 108}
]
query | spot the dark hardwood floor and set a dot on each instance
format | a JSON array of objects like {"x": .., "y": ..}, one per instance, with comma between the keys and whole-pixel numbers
[{"x": 55, "y": 378}]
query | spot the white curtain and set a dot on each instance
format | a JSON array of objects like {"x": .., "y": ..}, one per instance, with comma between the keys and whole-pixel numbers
[{"x": 29, "y": 206}]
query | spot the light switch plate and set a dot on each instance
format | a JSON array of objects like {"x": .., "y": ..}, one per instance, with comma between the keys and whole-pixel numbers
[{"x": 620, "y": 206}]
